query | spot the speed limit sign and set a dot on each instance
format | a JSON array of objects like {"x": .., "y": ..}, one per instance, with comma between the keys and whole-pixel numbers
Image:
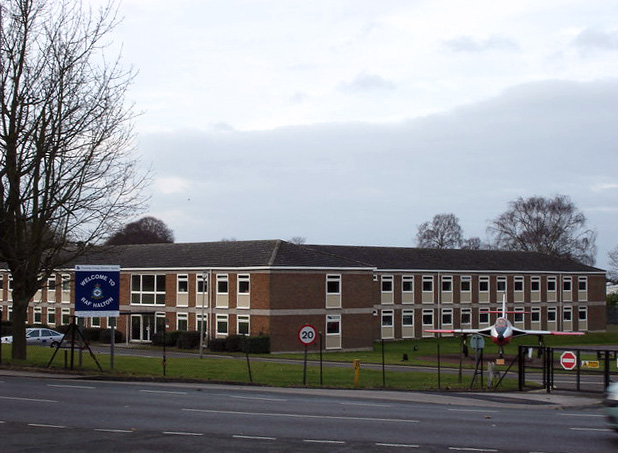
[{"x": 307, "y": 334}]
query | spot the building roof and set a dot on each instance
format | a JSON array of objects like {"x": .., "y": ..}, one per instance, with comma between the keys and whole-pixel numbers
[{"x": 282, "y": 254}]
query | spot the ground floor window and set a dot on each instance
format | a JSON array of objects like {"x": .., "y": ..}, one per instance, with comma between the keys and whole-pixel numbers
[
  {"x": 333, "y": 325},
  {"x": 447, "y": 317},
  {"x": 567, "y": 314},
  {"x": 582, "y": 313},
  {"x": 51, "y": 316},
  {"x": 407, "y": 318},
  {"x": 66, "y": 316},
  {"x": 242, "y": 325},
  {"x": 466, "y": 317},
  {"x": 182, "y": 321},
  {"x": 222, "y": 324},
  {"x": 38, "y": 315},
  {"x": 428, "y": 318},
  {"x": 483, "y": 318},
  {"x": 552, "y": 314},
  {"x": 95, "y": 322},
  {"x": 387, "y": 318},
  {"x": 198, "y": 326}
]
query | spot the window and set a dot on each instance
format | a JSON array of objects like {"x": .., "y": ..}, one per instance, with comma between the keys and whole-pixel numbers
[
  {"x": 551, "y": 284},
  {"x": 407, "y": 284},
  {"x": 1, "y": 284},
  {"x": 535, "y": 284},
  {"x": 10, "y": 316},
  {"x": 552, "y": 314},
  {"x": 51, "y": 316},
  {"x": 407, "y": 318},
  {"x": 66, "y": 288},
  {"x": 466, "y": 316},
  {"x": 483, "y": 318},
  {"x": 243, "y": 284},
  {"x": 201, "y": 290},
  {"x": 148, "y": 289},
  {"x": 95, "y": 322},
  {"x": 483, "y": 284},
  {"x": 38, "y": 315},
  {"x": 427, "y": 317},
  {"x": 333, "y": 324},
  {"x": 222, "y": 324},
  {"x": 567, "y": 314},
  {"x": 466, "y": 284},
  {"x": 333, "y": 284},
  {"x": 387, "y": 283},
  {"x": 182, "y": 282},
  {"x": 222, "y": 284},
  {"x": 242, "y": 327},
  {"x": 51, "y": 289},
  {"x": 447, "y": 317},
  {"x": 566, "y": 284},
  {"x": 535, "y": 316},
  {"x": 182, "y": 321},
  {"x": 582, "y": 313},
  {"x": 387, "y": 318},
  {"x": 501, "y": 284},
  {"x": 519, "y": 315},
  {"x": 518, "y": 284},
  {"x": 66, "y": 316},
  {"x": 427, "y": 284},
  {"x": 447, "y": 284}
]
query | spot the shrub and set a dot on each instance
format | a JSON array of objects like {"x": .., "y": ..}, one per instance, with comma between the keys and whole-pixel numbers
[
  {"x": 171, "y": 338},
  {"x": 106, "y": 335},
  {"x": 257, "y": 345},
  {"x": 91, "y": 333},
  {"x": 234, "y": 343},
  {"x": 188, "y": 340},
  {"x": 217, "y": 345}
]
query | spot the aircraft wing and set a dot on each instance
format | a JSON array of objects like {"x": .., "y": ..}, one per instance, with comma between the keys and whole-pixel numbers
[
  {"x": 486, "y": 331},
  {"x": 519, "y": 332}
]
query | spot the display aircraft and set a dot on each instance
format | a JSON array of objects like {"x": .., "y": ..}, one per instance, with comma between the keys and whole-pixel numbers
[{"x": 502, "y": 332}]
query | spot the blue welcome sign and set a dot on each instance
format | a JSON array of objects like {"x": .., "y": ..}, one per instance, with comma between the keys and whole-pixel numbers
[{"x": 97, "y": 291}]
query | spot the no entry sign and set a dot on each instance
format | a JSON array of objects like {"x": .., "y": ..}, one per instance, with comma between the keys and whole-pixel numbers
[{"x": 568, "y": 360}]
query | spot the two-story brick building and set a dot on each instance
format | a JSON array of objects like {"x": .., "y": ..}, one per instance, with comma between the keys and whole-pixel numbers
[{"x": 353, "y": 295}]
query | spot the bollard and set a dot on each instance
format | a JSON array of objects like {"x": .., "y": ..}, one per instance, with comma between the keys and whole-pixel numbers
[{"x": 357, "y": 363}]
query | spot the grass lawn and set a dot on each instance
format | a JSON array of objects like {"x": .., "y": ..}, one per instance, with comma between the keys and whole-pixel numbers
[{"x": 419, "y": 352}]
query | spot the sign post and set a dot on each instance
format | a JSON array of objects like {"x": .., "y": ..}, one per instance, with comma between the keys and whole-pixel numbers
[{"x": 307, "y": 335}]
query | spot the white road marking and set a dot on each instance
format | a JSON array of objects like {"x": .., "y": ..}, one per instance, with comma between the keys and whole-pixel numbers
[
  {"x": 474, "y": 410},
  {"x": 320, "y": 441},
  {"x": 472, "y": 449},
  {"x": 107, "y": 430},
  {"x": 34, "y": 400},
  {"x": 66, "y": 386},
  {"x": 165, "y": 392},
  {"x": 398, "y": 445},
  {"x": 240, "y": 436},
  {"x": 321, "y": 417},
  {"x": 582, "y": 415},
  {"x": 365, "y": 404},
  {"x": 180, "y": 433},
  {"x": 257, "y": 398},
  {"x": 41, "y": 425},
  {"x": 591, "y": 429}
]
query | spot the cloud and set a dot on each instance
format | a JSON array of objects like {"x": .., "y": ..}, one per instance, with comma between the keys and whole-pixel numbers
[
  {"x": 470, "y": 44},
  {"x": 171, "y": 185},
  {"x": 364, "y": 82},
  {"x": 590, "y": 39},
  {"x": 602, "y": 187}
]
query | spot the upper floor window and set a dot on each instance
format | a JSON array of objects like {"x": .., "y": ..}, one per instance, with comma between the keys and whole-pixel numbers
[
  {"x": 427, "y": 284},
  {"x": 222, "y": 284},
  {"x": 447, "y": 284},
  {"x": 582, "y": 284},
  {"x": 501, "y": 284},
  {"x": 518, "y": 284},
  {"x": 407, "y": 284},
  {"x": 566, "y": 284},
  {"x": 551, "y": 284},
  {"x": 148, "y": 289},
  {"x": 483, "y": 284},
  {"x": 535, "y": 284},
  {"x": 182, "y": 281},
  {"x": 387, "y": 283},
  {"x": 333, "y": 284},
  {"x": 243, "y": 284},
  {"x": 466, "y": 284}
]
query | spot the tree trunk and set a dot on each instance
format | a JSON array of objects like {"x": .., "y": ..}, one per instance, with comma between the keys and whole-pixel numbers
[{"x": 20, "y": 318}]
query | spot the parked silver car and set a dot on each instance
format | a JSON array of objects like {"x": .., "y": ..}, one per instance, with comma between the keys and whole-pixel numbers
[
  {"x": 611, "y": 405},
  {"x": 40, "y": 336}
]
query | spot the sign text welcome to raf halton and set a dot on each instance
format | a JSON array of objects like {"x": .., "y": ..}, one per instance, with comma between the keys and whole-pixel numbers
[{"x": 97, "y": 291}]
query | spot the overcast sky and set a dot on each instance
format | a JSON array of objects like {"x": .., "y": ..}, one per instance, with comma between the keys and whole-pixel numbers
[{"x": 352, "y": 122}]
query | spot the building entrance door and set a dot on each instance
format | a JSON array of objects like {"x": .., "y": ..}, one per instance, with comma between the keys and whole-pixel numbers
[{"x": 143, "y": 327}]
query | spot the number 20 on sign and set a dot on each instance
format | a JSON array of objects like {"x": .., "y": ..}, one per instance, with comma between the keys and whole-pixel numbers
[{"x": 307, "y": 334}]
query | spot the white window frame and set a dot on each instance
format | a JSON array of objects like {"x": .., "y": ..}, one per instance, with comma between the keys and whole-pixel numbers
[
  {"x": 333, "y": 278},
  {"x": 428, "y": 312},
  {"x": 223, "y": 279},
  {"x": 385, "y": 315},
  {"x": 446, "y": 312},
  {"x": 502, "y": 281},
  {"x": 468, "y": 312},
  {"x": 223, "y": 318},
  {"x": 243, "y": 320},
  {"x": 158, "y": 293},
  {"x": 182, "y": 317},
  {"x": 333, "y": 319},
  {"x": 244, "y": 279},
  {"x": 201, "y": 290}
]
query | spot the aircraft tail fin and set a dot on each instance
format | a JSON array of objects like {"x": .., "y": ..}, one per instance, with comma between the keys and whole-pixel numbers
[{"x": 504, "y": 305}]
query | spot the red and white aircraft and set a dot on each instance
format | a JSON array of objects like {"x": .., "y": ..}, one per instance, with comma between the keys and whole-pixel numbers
[{"x": 502, "y": 331}]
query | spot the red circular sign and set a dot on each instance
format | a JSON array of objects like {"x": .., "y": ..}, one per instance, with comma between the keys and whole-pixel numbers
[
  {"x": 568, "y": 360},
  {"x": 307, "y": 334}
]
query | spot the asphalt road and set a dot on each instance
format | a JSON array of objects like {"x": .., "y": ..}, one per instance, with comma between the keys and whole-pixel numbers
[{"x": 83, "y": 415}]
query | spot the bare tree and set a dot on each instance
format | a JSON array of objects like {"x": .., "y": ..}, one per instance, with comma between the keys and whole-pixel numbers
[
  {"x": 443, "y": 232},
  {"x": 298, "y": 240},
  {"x": 613, "y": 264},
  {"x": 548, "y": 225},
  {"x": 147, "y": 230},
  {"x": 67, "y": 170}
]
